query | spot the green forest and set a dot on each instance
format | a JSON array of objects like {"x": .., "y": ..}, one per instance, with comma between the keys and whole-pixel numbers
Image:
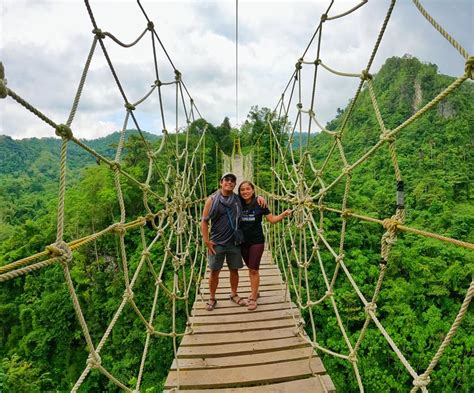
[{"x": 41, "y": 343}]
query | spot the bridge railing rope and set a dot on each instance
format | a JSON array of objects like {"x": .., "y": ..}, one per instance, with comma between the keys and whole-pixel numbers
[
  {"x": 298, "y": 183},
  {"x": 172, "y": 199}
]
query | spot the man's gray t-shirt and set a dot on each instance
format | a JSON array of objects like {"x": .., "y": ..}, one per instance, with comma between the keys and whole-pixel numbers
[{"x": 221, "y": 232}]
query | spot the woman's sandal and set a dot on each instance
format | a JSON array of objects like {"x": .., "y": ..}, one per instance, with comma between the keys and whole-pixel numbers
[
  {"x": 251, "y": 304},
  {"x": 237, "y": 300},
  {"x": 211, "y": 304}
]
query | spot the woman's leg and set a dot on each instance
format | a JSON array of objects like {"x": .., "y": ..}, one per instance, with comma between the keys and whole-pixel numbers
[
  {"x": 254, "y": 258},
  {"x": 254, "y": 282}
]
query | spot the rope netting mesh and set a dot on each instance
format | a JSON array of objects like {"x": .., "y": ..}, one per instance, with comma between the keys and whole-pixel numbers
[
  {"x": 172, "y": 196},
  {"x": 302, "y": 246}
]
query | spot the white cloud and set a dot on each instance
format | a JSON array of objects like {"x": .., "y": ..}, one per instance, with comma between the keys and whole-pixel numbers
[{"x": 45, "y": 44}]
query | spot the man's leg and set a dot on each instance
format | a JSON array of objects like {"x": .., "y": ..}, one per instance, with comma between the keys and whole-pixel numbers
[
  {"x": 213, "y": 283},
  {"x": 234, "y": 281}
]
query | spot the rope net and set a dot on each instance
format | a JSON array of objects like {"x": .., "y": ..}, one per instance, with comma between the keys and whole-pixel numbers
[
  {"x": 173, "y": 198},
  {"x": 320, "y": 197}
]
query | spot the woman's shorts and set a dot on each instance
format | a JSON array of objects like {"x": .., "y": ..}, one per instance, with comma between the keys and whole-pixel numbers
[{"x": 252, "y": 254}]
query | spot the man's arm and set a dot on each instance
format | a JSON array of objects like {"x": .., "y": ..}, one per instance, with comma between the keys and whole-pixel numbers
[{"x": 205, "y": 227}]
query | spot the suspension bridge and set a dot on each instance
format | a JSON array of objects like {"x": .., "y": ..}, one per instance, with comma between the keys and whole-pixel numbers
[{"x": 231, "y": 349}]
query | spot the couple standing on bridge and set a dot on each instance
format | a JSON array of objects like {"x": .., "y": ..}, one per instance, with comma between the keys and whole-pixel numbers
[{"x": 236, "y": 233}]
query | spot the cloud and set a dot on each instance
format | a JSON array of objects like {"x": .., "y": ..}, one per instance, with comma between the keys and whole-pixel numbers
[{"x": 45, "y": 44}]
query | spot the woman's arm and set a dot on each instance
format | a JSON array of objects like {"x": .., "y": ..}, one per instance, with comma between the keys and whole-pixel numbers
[{"x": 274, "y": 219}]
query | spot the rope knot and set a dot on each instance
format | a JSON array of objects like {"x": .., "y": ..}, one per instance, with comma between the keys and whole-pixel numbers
[
  {"x": 352, "y": 357},
  {"x": 129, "y": 106},
  {"x": 324, "y": 17},
  {"x": 177, "y": 75},
  {"x": 114, "y": 165},
  {"x": 347, "y": 170},
  {"x": 390, "y": 224},
  {"x": 365, "y": 75},
  {"x": 346, "y": 213},
  {"x": 469, "y": 67},
  {"x": 146, "y": 253},
  {"x": 98, "y": 33},
  {"x": 329, "y": 293},
  {"x": 119, "y": 228},
  {"x": 3, "y": 82},
  {"x": 158, "y": 83},
  {"x": 299, "y": 105},
  {"x": 298, "y": 64},
  {"x": 60, "y": 250},
  {"x": 128, "y": 294},
  {"x": 339, "y": 258},
  {"x": 150, "y": 25},
  {"x": 370, "y": 307},
  {"x": 421, "y": 381},
  {"x": 94, "y": 360},
  {"x": 63, "y": 131},
  {"x": 145, "y": 187},
  {"x": 386, "y": 136}
]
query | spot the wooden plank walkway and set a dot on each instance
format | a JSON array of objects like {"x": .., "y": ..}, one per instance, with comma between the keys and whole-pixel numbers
[{"x": 235, "y": 350}]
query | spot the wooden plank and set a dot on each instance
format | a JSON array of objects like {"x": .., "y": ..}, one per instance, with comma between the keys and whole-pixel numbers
[
  {"x": 245, "y": 286},
  {"x": 221, "y": 289},
  {"x": 307, "y": 385},
  {"x": 246, "y": 326},
  {"x": 245, "y": 376},
  {"x": 328, "y": 384},
  {"x": 201, "y": 304},
  {"x": 226, "y": 337},
  {"x": 267, "y": 358},
  {"x": 246, "y": 317},
  {"x": 241, "y": 348},
  {"x": 240, "y": 309}
]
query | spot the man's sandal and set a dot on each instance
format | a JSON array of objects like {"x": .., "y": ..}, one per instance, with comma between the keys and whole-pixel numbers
[
  {"x": 237, "y": 300},
  {"x": 251, "y": 304},
  {"x": 211, "y": 304}
]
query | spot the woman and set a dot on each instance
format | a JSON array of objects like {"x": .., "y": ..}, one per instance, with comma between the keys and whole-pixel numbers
[{"x": 251, "y": 225}]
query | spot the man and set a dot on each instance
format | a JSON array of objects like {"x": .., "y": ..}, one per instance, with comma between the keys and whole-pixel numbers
[{"x": 223, "y": 210}]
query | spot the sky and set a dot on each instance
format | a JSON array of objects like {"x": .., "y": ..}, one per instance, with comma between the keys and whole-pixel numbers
[{"x": 44, "y": 45}]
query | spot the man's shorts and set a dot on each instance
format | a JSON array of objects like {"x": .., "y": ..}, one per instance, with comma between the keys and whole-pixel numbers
[{"x": 230, "y": 253}]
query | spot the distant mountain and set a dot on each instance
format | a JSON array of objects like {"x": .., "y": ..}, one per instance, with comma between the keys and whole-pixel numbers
[{"x": 19, "y": 155}]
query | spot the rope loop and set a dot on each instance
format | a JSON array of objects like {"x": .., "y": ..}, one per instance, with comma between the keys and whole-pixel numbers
[
  {"x": 365, "y": 75},
  {"x": 3, "y": 82},
  {"x": 370, "y": 307},
  {"x": 64, "y": 131},
  {"x": 150, "y": 25},
  {"x": 469, "y": 67},
  {"x": 421, "y": 381},
  {"x": 98, "y": 33},
  {"x": 129, "y": 106},
  {"x": 94, "y": 360}
]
